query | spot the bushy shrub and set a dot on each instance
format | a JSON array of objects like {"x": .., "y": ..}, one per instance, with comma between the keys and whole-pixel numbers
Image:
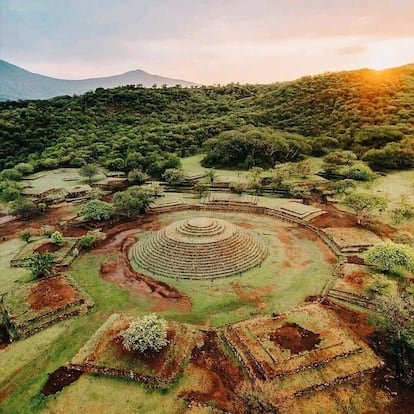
[
  {"x": 23, "y": 207},
  {"x": 25, "y": 168},
  {"x": 26, "y": 235},
  {"x": 97, "y": 210},
  {"x": 379, "y": 285},
  {"x": 10, "y": 190},
  {"x": 152, "y": 189},
  {"x": 47, "y": 230},
  {"x": 11, "y": 174},
  {"x": 57, "y": 238},
  {"x": 174, "y": 176},
  {"x": 40, "y": 264},
  {"x": 359, "y": 172},
  {"x": 136, "y": 200},
  {"x": 391, "y": 257},
  {"x": 137, "y": 176},
  {"x": 148, "y": 332},
  {"x": 90, "y": 239},
  {"x": 89, "y": 171}
]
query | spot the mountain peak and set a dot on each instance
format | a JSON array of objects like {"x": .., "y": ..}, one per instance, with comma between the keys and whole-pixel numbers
[{"x": 18, "y": 83}]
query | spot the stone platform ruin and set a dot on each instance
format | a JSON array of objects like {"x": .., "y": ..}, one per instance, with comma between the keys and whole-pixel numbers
[{"x": 199, "y": 248}]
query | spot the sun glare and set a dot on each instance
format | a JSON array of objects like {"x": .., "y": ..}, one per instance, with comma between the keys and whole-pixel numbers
[
  {"x": 387, "y": 54},
  {"x": 382, "y": 59}
]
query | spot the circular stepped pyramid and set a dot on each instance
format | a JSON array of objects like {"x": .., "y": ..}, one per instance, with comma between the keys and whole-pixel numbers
[{"x": 199, "y": 248}]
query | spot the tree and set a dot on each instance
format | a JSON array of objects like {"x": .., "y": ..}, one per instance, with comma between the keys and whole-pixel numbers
[
  {"x": 89, "y": 239},
  {"x": 255, "y": 178},
  {"x": 146, "y": 333},
  {"x": 152, "y": 190},
  {"x": 11, "y": 174},
  {"x": 57, "y": 238},
  {"x": 380, "y": 285},
  {"x": 201, "y": 188},
  {"x": 333, "y": 161},
  {"x": 404, "y": 211},
  {"x": 363, "y": 203},
  {"x": 26, "y": 235},
  {"x": 304, "y": 168},
  {"x": 395, "y": 319},
  {"x": 137, "y": 176},
  {"x": 97, "y": 210},
  {"x": 342, "y": 186},
  {"x": 391, "y": 257},
  {"x": 132, "y": 202},
  {"x": 40, "y": 264},
  {"x": 89, "y": 171},
  {"x": 25, "y": 168},
  {"x": 174, "y": 176},
  {"x": 23, "y": 207},
  {"x": 359, "y": 172},
  {"x": 237, "y": 187},
  {"x": 10, "y": 190},
  {"x": 211, "y": 175},
  {"x": 96, "y": 193},
  {"x": 395, "y": 155},
  {"x": 279, "y": 174},
  {"x": 250, "y": 147}
]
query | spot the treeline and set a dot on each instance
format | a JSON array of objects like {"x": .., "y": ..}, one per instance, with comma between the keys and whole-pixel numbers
[{"x": 371, "y": 113}]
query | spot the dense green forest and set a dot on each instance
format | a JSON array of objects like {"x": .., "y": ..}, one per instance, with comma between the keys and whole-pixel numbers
[{"x": 369, "y": 112}]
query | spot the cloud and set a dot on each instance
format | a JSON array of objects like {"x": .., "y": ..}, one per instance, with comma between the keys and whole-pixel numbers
[
  {"x": 201, "y": 40},
  {"x": 351, "y": 50}
]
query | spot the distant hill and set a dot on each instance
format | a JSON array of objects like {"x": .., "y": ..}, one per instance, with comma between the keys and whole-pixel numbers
[
  {"x": 17, "y": 83},
  {"x": 121, "y": 127}
]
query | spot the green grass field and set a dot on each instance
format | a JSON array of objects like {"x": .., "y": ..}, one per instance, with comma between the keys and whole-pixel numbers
[
  {"x": 298, "y": 266},
  {"x": 291, "y": 272}
]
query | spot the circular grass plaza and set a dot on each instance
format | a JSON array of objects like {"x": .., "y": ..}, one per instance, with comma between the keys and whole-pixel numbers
[{"x": 233, "y": 265}]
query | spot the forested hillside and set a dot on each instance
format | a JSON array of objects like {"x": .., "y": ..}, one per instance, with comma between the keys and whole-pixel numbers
[{"x": 134, "y": 127}]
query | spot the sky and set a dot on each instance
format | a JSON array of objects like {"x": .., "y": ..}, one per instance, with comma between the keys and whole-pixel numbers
[{"x": 206, "y": 41}]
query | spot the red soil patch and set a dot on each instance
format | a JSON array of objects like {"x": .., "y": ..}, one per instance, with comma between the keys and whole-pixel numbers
[
  {"x": 53, "y": 217},
  {"x": 51, "y": 293},
  {"x": 4, "y": 337},
  {"x": 356, "y": 279},
  {"x": 295, "y": 338},
  {"x": 355, "y": 260},
  {"x": 356, "y": 321},
  {"x": 59, "y": 379},
  {"x": 224, "y": 377},
  {"x": 334, "y": 218},
  {"x": 338, "y": 218},
  {"x": 120, "y": 271},
  {"x": 312, "y": 298},
  {"x": 48, "y": 247}
]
